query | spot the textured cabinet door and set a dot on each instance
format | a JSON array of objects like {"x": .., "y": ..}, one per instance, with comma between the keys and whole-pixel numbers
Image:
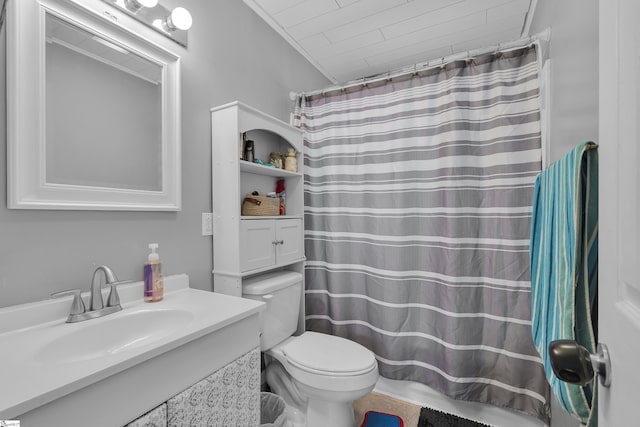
[
  {"x": 155, "y": 418},
  {"x": 228, "y": 397}
]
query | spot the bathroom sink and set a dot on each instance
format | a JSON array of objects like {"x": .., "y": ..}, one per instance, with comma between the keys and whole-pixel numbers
[
  {"x": 112, "y": 334},
  {"x": 57, "y": 370}
]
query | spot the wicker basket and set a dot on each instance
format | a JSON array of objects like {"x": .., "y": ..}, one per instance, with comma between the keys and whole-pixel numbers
[{"x": 260, "y": 206}]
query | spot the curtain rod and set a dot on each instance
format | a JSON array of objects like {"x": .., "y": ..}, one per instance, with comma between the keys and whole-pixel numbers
[{"x": 543, "y": 36}]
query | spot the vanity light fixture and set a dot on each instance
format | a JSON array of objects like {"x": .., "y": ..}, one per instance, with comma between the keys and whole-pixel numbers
[
  {"x": 179, "y": 19},
  {"x": 172, "y": 24},
  {"x": 135, "y": 5}
]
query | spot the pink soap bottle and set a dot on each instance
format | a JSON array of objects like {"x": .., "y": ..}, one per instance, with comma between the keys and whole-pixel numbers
[{"x": 153, "y": 283}]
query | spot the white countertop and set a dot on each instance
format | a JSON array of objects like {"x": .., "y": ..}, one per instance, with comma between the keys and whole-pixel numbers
[{"x": 27, "y": 381}]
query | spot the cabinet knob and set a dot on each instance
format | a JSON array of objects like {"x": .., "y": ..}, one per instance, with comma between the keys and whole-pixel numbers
[{"x": 278, "y": 242}]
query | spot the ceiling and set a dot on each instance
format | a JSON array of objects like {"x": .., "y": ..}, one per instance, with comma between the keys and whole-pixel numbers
[{"x": 351, "y": 39}]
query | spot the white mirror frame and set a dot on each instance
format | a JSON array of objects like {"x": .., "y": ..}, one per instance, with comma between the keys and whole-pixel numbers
[{"x": 26, "y": 174}]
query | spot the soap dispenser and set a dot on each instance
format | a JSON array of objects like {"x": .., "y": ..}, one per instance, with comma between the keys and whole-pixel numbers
[{"x": 153, "y": 284}]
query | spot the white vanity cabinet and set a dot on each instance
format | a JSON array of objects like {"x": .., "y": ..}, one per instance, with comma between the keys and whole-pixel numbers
[
  {"x": 230, "y": 396},
  {"x": 269, "y": 243},
  {"x": 247, "y": 246},
  {"x": 109, "y": 371}
]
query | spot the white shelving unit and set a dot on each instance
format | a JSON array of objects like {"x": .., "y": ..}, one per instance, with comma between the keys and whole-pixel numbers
[{"x": 247, "y": 246}]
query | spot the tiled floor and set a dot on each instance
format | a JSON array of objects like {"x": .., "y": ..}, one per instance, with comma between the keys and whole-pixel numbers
[{"x": 382, "y": 403}]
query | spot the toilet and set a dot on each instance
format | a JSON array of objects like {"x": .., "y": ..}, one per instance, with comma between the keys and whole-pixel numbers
[{"x": 318, "y": 375}]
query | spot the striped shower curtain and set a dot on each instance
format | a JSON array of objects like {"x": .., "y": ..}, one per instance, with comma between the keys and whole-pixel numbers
[{"x": 418, "y": 196}]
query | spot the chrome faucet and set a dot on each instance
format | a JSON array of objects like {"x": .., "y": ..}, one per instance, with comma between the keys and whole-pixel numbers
[
  {"x": 97, "y": 308},
  {"x": 96, "y": 287}
]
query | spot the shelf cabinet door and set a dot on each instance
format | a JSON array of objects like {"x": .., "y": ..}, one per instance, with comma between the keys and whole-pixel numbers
[
  {"x": 257, "y": 244},
  {"x": 289, "y": 238}
]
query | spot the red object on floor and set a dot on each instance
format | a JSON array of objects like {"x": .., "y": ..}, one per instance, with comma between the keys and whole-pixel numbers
[{"x": 379, "y": 419}]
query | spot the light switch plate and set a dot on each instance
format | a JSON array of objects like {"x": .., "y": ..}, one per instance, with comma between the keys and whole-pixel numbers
[{"x": 207, "y": 224}]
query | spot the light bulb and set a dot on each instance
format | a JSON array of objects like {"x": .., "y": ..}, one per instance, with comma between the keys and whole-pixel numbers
[{"x": 180, "y": 18}]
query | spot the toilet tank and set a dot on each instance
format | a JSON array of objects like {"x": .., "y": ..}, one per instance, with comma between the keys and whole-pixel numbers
[{"x": 281, "y": 292}]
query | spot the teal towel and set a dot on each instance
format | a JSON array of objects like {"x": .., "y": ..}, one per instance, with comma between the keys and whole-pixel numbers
[{"x": 564, "y": 266}]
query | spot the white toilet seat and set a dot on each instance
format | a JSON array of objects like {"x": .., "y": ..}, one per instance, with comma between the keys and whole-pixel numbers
[
  {"x": 323, "y": 354},
  {"x": 327, "y": 373},
  {"x": 310, "y": 358}
]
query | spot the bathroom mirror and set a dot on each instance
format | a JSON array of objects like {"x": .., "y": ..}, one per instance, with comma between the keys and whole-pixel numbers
[{"x": 93, "y": 112}]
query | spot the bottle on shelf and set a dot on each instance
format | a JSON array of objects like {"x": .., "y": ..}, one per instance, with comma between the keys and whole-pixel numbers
[
  {"x": 290, "y": 161},
  {"x": 248, "y": 150},
  {"x": 282, "y": 196}
]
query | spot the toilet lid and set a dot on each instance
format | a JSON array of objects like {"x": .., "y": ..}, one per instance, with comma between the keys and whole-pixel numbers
[{"x": 328, "y": 354}]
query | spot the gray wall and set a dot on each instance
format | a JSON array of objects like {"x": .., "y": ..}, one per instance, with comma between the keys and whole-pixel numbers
[
  {"x": 573, "y": 51},
  {"x": 232, "y": 55}
]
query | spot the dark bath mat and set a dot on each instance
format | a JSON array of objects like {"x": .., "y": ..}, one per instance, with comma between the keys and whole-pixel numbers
[{"x": 432, "y": 418}]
